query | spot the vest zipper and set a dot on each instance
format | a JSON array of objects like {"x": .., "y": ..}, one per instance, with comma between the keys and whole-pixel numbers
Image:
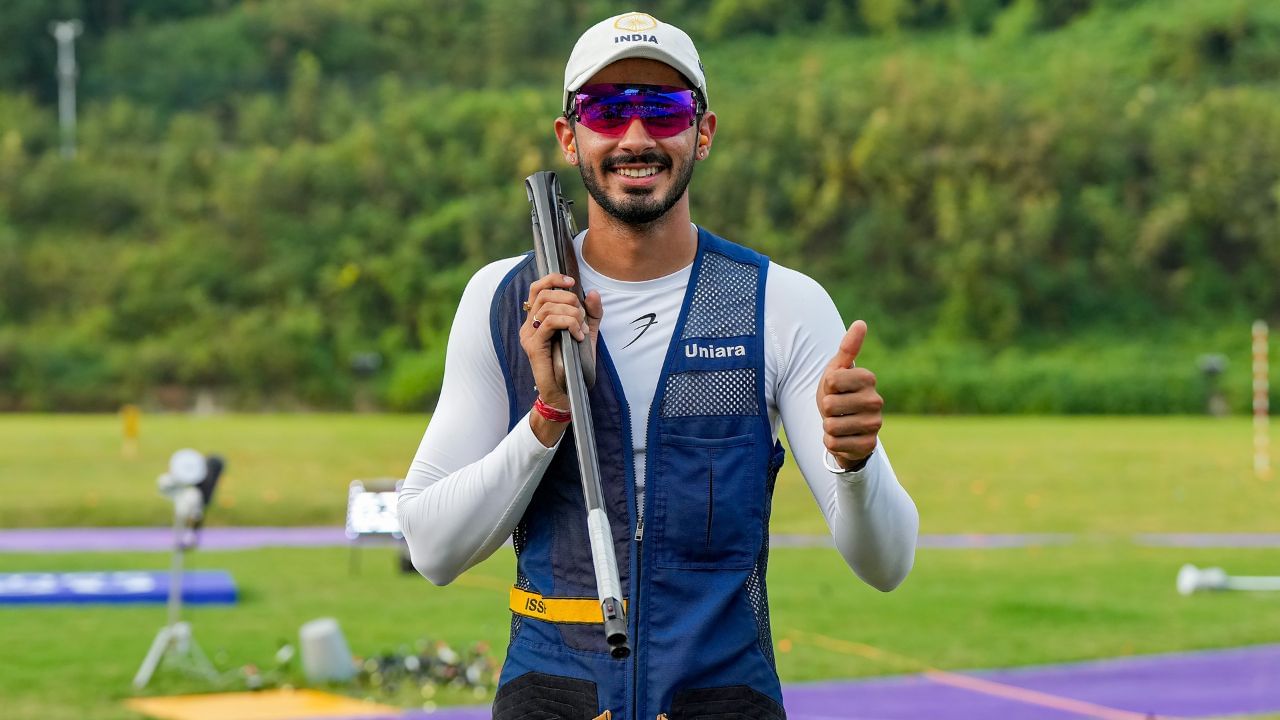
[
  {"x": 634, "y": 615},
  {"x": 640, "y": 515},
  {"x": 635, "y": 656}
]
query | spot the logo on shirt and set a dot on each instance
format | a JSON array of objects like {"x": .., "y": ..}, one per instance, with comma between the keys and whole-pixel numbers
[
  {"x": 652, "y": 319},
  {"x": 693, "y": 350}
]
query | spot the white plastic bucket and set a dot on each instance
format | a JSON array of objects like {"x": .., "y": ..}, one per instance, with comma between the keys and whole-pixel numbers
[{"x": 325, "y": 655}]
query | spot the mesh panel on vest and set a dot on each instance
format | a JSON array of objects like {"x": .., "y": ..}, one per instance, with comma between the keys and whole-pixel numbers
[
  {"x": 757, "y": 593},
  {"x": 518, "y": 539},
  {"x": 759, "y": 598},
  {"x": 715, "y": 392},
  {"x": 724, "y": 301}
]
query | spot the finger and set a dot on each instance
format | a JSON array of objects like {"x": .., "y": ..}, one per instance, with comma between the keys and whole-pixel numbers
[
  {"x": 847, "y": 425},
  {"x": 552, "y": 302},
  {"x": 844, "y": 380},
  {"x": 552, "y": 295},
  {"x": 863, "y": 401},
  {"x": 595, "y": 307},
  {"x": 555, "y": 323},
  {"x": 554, "y": 280},
  {"x": 557, "y": 309},
  {"x": 556, "y": 295},
  {"x": 549, "y": 309},
  {"x": 856, "y": 446},
  {"x": 537, "y": 321},
  {"x": 850, "y": 345}
]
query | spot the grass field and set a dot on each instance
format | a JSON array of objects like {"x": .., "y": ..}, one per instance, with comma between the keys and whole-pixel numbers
[
  {"x": 968, "y": 474},
  {"x": 960, "y": 609},
  {"x": 1101, "y": 596}
]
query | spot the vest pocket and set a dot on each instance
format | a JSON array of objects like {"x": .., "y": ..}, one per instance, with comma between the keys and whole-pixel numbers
[
  {"x": 708, "y": 503},
  {"x": 539, "y": 695}
]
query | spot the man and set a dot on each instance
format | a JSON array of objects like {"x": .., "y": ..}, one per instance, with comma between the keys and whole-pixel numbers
[{"x": 703, "y": 346}]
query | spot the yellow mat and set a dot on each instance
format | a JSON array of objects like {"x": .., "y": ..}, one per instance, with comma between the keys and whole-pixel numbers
[{"x": 264, "y": 705}]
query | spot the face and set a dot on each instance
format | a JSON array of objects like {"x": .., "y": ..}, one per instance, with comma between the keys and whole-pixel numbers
[{"x": 635, "y": 177}]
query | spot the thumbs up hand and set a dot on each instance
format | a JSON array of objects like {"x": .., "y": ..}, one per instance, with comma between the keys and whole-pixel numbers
[{"x": 849, "y": 403}]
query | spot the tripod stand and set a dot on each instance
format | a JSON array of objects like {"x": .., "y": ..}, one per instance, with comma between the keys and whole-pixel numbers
[
  {"x": 175, "y": 640},
  {"x": 189, "y": 483}
]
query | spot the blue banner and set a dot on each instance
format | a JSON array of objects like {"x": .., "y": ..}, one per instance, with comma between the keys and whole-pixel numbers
[{"x": 199, "y": 587}]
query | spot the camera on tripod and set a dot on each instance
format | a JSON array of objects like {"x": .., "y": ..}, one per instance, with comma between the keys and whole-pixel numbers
[{"x": 189, "y": 483}]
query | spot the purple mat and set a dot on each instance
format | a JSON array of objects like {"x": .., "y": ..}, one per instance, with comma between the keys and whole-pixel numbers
[
  {"x": 1201, "y": 684},
  {"x": 147, "y": 539},
  {"x": 1205, "y": 684},
  {"x": 1209, "y": 540},
  {"x": 1002, "y": 540},
  {"x": 905, "y": 698},
  {"x": 159, "y": 539},
  {"x": 967, "y": 541}
]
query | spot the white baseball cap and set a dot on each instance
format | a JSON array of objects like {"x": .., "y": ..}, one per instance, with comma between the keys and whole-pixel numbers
[{"x": 631, "y": 35}]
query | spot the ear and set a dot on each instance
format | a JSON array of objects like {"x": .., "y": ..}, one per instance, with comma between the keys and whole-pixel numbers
[
  {"x": 567, "y": 139},
  {"x": 706, "y": 133}
]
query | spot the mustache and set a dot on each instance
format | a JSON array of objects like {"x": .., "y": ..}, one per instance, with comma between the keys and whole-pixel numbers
[{"x": 649, "y": 157}]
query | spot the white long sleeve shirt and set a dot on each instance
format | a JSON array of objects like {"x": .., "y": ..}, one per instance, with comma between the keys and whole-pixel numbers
[{"x": 471, "y": 479}]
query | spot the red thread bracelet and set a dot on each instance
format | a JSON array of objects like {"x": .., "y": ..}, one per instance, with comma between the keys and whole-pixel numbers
[{"x": 550, "y": 413}]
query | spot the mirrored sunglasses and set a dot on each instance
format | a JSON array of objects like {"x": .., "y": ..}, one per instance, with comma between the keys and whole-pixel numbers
[{"x": 608, "y": 109}]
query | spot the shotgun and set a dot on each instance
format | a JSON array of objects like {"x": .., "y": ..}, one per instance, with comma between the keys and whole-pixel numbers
[{"x": 553, "y": 232}]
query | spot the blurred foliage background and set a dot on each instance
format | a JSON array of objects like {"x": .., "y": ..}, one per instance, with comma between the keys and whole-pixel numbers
[{"x": 1038, "y": 205}]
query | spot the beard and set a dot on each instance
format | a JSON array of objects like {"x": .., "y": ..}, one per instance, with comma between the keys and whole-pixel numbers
[{"x": 638, "y": 206}]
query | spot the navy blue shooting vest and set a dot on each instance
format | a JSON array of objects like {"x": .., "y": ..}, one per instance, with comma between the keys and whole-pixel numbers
[{"x": 694, "y": 574}]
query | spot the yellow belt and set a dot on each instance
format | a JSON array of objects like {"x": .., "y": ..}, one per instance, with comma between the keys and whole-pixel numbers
[{"x": 558, "y": 609}]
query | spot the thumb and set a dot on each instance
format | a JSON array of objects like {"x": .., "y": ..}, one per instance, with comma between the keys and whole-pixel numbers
[
  {"x": 850, "y": 345},
  {"x": 594, "y": 307}
]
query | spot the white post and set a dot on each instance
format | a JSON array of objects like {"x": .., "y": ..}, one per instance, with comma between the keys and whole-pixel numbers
[
  {"x": 1261, "y": 403},
  {"x": 175, "y": 571},
  {"x": 65, "y": 32}
]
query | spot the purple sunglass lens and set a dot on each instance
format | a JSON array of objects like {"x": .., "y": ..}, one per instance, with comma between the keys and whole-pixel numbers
[{"x": 609, "y": 109}]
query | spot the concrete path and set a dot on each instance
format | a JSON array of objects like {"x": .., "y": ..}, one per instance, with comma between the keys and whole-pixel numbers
[{"x": 159, "y": 539}]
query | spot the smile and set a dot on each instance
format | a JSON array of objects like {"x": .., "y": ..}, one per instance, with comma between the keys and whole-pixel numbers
[{"x": 637, "y": 172}]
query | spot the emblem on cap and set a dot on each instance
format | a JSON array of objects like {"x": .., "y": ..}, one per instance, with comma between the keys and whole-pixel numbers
[{"x": 635, "y": 22}]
